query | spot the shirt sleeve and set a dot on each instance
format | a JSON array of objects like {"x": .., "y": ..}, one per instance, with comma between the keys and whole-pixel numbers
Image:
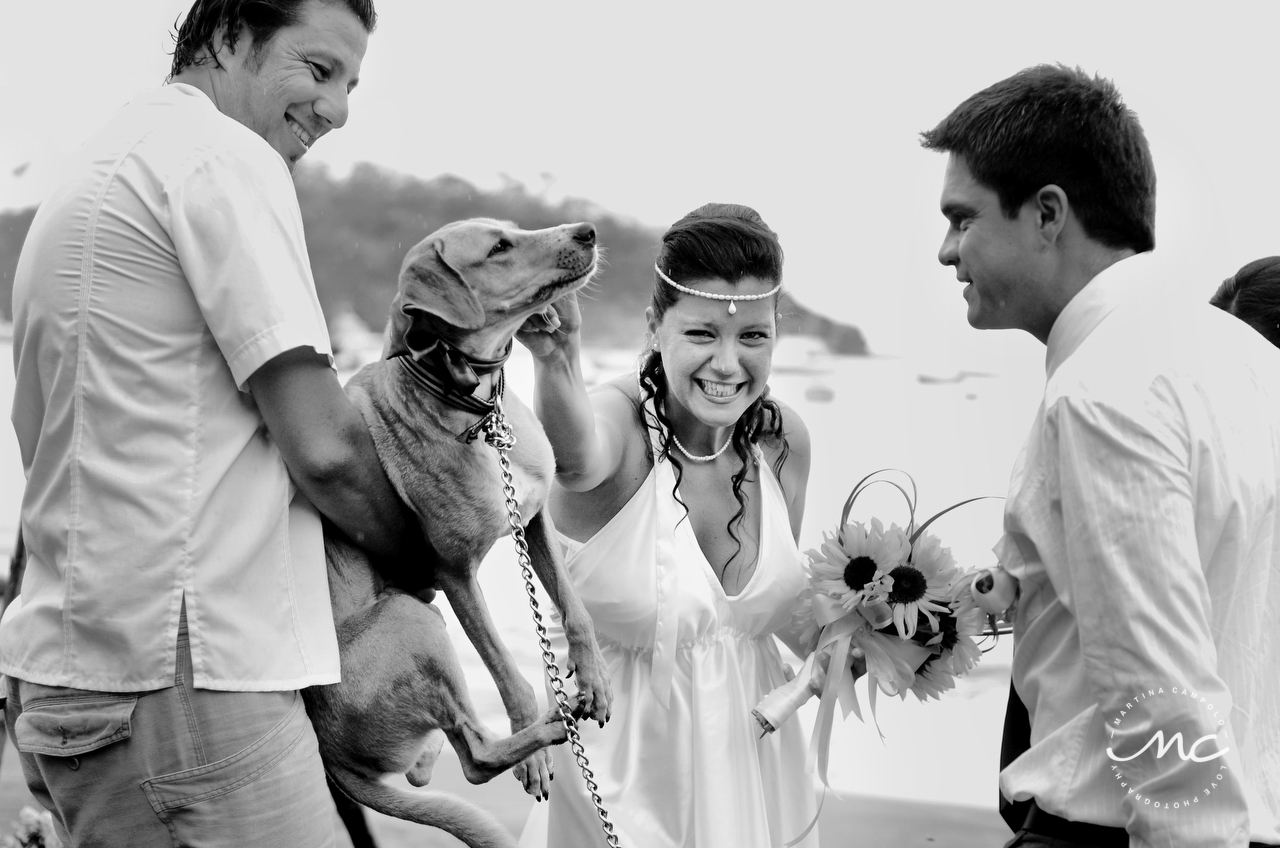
[
  {"x": 237, "y": 230},
  {"x": 1133, "y": 579}
]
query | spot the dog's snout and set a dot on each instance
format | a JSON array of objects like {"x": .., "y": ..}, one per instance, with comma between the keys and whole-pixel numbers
[{"x": 585, "y": 233}]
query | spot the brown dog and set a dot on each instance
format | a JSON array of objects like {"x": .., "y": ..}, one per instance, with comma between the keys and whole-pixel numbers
[{"x": 464, "y": 291}]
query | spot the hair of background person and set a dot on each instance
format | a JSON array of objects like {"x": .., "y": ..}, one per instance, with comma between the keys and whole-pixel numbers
[
  {"x": 1054, "y": 125},
  {"x": 1252, "y": 294}
]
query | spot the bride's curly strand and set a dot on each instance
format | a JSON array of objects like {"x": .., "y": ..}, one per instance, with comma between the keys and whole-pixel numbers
[{"x": 728, "y": 242}]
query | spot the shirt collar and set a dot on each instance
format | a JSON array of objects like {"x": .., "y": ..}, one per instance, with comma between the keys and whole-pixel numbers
[
  {"x": 188, "y": 89},
  {"x": 1084, "y": 312}
]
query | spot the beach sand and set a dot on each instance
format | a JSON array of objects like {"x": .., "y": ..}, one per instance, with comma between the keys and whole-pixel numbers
[{"x": 862, "y": 822}]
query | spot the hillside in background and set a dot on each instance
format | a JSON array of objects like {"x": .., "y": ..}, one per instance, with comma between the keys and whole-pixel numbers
[{"x": 360, "y": 227}]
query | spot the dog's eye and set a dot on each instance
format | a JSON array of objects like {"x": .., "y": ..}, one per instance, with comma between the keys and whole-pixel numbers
[{"x": 501, "y": 247}]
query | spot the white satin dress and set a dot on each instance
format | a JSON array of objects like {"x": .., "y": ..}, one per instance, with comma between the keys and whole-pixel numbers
[{"x": 681, "y": 763}]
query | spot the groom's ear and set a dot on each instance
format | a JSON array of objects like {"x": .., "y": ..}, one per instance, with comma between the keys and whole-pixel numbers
[{"x": 1050, "y": 207}]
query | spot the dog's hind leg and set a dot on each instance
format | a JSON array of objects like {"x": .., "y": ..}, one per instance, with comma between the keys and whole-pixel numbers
[
  {"x": 402, "y": 684},
  {"x": 484, "y": 755},
  {"x": 517, "y": 694},
  {"x": 352, "y": 815}
]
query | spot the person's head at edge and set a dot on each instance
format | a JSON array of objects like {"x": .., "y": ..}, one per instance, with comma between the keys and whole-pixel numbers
[
  {"x": 1252, "y": 294},
  {"x": 708, "y": 368},
  {"x": 1049, "y": 181},
  {"x": 283, "y": 68}
]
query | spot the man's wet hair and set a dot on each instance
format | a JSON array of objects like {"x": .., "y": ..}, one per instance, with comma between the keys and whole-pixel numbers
[{"x": 258, "y": 19}]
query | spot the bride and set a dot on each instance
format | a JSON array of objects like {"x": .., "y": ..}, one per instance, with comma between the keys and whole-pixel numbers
[{"x": 679, "y": 497}]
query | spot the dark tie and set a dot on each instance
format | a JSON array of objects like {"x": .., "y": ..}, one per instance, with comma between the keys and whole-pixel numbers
[{"x": 1015, "y": 740}]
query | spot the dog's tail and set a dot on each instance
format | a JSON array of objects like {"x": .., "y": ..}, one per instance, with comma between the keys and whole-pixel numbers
[{"x": 464, "y": 820}]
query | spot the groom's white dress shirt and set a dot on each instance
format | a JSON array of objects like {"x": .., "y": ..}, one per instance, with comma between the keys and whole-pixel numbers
[{"x": 1142, "y": 522}]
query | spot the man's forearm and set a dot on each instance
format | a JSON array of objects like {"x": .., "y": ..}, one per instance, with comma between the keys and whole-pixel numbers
[
  {"x": 358, "y": 498},
  {"x": 329, "y": 451}
]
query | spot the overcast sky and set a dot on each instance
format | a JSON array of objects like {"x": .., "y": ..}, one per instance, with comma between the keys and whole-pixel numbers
[{"x": 807, "y": 111}]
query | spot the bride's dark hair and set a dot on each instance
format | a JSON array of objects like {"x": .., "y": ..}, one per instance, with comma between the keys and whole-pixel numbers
[{"x": 717, "y": 241}]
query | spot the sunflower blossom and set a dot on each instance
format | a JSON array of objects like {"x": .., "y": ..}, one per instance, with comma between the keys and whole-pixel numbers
[
  {"x": 964, "y": 653},
  {"x": 855, "y": 566},
  {"x": 931, "y": 681},
  {"x": 921, "y": 586}
]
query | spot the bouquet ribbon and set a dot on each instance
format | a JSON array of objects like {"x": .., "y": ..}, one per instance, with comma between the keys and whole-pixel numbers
[
  {"x": 891, "y": 665},
  {"x": 890, "y": 662}
]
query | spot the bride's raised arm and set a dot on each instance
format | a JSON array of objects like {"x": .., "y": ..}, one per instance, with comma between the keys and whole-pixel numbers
[{"x": 586, "y": 432}]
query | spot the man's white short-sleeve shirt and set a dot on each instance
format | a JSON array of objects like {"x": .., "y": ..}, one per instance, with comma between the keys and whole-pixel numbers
[{"x": 168, "y": 267}]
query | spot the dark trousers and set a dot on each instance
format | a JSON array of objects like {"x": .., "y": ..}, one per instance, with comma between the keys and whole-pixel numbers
[
  {"x": 1023, "y": 839},
  {"x": 1013, "y": 742},
  {"x": 1032, "y": 827}
]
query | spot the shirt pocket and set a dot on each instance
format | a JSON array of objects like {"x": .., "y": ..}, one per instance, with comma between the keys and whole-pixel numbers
[{"x": 76, "y": 724}]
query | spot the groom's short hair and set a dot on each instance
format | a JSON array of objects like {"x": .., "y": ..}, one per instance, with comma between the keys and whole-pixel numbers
[{"x": 1054, "y": 125}]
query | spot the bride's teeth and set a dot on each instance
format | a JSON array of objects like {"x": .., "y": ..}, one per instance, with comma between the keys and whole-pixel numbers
[{"x": 717, "y": 389}]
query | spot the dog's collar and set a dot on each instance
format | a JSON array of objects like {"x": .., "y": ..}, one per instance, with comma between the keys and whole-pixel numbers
[
  {"x": 449, "y": 393},
  {"x": 450, "y": 364}
]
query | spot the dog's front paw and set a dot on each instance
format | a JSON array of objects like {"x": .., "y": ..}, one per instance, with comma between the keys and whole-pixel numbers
[
  {"x": 535, "y": 774},
  {"x": 595, "y": 693}
]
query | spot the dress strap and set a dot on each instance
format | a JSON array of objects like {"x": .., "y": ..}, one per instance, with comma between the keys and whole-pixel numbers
[{"x": 667, "y": 571}]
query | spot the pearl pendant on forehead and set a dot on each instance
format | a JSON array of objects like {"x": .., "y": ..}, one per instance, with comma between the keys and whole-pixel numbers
[{"x": 733, "y": 306}]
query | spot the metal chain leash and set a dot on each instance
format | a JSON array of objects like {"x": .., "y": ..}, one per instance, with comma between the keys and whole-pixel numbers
[{"x": 498, "y": 433}]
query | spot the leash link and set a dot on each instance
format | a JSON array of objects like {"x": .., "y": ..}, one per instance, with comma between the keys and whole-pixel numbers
[{"x": 498, "y": 433}]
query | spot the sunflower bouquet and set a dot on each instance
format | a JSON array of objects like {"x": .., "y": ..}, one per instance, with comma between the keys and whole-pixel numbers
[{"x": 887, "y": 599}]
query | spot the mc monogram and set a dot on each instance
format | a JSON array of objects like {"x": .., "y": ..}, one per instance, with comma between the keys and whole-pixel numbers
[{"x": 1163, "y": 747}]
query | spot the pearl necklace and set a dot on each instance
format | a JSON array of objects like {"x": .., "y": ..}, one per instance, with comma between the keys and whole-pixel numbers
[{"x": 708, "y": 458}]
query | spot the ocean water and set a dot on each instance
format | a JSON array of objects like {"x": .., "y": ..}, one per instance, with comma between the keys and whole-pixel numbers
[{"x": 955, "y": 430}]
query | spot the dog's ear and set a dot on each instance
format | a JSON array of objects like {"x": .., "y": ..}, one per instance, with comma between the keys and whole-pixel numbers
[{"x": 429, "y": 284}]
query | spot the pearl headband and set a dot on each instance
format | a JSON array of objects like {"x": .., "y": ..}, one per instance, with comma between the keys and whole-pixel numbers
[{"x": 709, "y": 295}]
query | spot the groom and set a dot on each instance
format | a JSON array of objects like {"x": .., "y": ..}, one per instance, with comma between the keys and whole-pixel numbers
[{"x": 1142, "y": 519}]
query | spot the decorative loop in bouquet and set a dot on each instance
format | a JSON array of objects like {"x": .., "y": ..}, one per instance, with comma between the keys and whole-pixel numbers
[{"x": 891, "y": 599}]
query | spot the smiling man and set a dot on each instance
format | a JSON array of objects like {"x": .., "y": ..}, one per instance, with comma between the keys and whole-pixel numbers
[
  {"x": 174, "y": 390},
  {"x": 1141, "y": 520}
]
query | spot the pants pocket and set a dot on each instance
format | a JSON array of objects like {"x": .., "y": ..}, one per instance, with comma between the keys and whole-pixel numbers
[
  {"x": 267, "y": 794},
  {"x": 69, "y": 725}
]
